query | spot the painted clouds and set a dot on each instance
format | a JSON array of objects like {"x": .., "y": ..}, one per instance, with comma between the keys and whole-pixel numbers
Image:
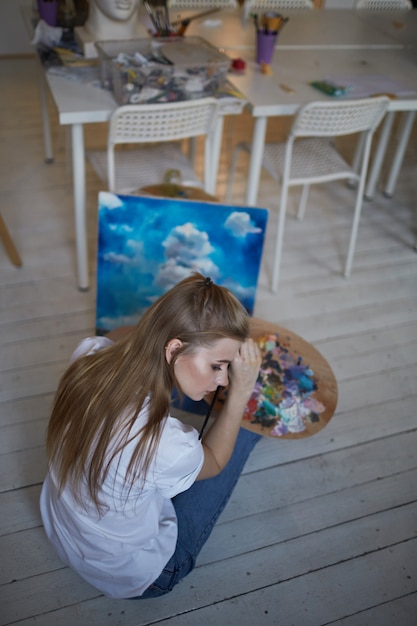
[{"x": 147, "y": 245}]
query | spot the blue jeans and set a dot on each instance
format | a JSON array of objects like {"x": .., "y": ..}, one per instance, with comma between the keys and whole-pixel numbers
[{"x": 198, "y": 509}]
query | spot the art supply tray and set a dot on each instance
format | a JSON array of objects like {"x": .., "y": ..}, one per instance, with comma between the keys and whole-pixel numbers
[{"x": 161, "y": 69}]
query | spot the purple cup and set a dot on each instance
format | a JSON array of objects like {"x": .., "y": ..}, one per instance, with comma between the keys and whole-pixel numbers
[
  {"x": 265, "y": 46},
  {"x": 48, "y": 11}
]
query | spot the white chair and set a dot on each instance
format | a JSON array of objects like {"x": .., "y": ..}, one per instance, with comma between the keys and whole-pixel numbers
[
  {"x": 201, "y": 5},
  {"x": 254, "y": 6},
  {"x": 382, "y": 5},
  {"x": 159, "y": 129},
  {"x": 309, "y": 156}
]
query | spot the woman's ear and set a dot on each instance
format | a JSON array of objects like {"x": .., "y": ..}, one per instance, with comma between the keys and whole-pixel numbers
[{"x": 172, "y": 348}]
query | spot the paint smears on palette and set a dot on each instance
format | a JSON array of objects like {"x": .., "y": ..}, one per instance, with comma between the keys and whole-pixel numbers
[{"x": 295, "y": 396}]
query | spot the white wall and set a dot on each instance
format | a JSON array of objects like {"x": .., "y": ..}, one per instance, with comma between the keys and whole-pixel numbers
[{"x": 14, "y": 38}]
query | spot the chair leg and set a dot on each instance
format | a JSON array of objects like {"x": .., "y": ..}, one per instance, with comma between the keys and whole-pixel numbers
[
  {"x": 405, "y": 131},
  {"x": 352, "y": 182},
  {"x": 236, "y": 152},
  {"x": 192, "y": 149},
  {"x": 303, "y": 202},
  {"x": 280, "y": 235},
  {"x": 212, "y": 157},
  {"x": 9, "y": 244},
  {"x": 353, "y": 236},
  {"x": 379, "y": 155},
  {"x": 358, "y": 208}
]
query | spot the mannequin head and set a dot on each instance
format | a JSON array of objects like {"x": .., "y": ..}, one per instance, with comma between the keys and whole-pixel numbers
[
  {"x": 109, "y": 19},
  {"x": 119, "y": 10}
]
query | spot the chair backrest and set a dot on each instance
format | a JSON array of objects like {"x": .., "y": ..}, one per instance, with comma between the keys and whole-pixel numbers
[
  {"x": 383, "y": 5},
  {"x": 252, "y": 6},
  {"x": 190, "y": 5},
  {"x": 332, "y": 119},
  {"x": 152, "y": 123},
  {"x": 146, "y": 123}
]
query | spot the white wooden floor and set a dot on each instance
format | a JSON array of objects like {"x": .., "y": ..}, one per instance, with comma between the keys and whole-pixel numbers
[{"x": 319, "y": 531}]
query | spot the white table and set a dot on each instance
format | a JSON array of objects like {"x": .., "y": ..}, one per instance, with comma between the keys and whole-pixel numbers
[
  {"x": 79, "y": 104},
  {"x": 404, "y": 30},
  {"x": 329, "y": 30},
  {"x": 317, "y": 29},
  {"x": 402, "y": 27},
  {"x": 302, "y": 55},
  {"x": 268, "y": 96}
]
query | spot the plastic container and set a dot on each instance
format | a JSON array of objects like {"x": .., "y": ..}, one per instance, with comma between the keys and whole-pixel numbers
[
  {"x": 265, "y": 46},
  {"x": 161, "y": 69}
]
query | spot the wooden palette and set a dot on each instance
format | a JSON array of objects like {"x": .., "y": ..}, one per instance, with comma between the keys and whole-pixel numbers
[{"x": 296, "y": 392}]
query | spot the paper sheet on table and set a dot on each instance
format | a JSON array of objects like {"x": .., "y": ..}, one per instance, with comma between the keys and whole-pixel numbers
[
  {"x": 83, "y": 75},
  {"x": 371, "y": 84}
]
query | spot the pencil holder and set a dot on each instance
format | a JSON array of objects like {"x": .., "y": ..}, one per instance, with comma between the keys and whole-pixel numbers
[
  {"x": 265, "y": 46},
  {"x": 48, "y": 11}
]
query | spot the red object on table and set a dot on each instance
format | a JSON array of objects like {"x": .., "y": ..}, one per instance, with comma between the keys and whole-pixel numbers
[{"x": 239, "y": 65}]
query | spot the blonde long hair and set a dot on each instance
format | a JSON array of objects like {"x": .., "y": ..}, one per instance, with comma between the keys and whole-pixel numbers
[{"x": 100, "y": 395}]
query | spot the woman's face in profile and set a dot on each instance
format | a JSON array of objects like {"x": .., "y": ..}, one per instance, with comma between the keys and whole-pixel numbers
[{"x": 120, "y": 10}]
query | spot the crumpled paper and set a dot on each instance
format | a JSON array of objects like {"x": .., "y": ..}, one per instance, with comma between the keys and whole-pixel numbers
[{"x": 49, "y": 36}]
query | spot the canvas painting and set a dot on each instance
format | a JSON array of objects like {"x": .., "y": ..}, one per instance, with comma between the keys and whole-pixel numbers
[{"x": 148, "y": 244}]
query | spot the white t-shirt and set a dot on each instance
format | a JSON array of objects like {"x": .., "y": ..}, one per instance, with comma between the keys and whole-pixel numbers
[{"x": 123, "y": 550}]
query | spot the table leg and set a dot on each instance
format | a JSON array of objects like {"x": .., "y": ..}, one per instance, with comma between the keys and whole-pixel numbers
[
  {"x": 257, "y": 150},
  {"x": 78, "y": 168},
  {"x": 214, "y": 157},
  {"x": 405, "y": 130},
  {"x": 46, "y": 123},
  {"x": 379, "y": 156}
]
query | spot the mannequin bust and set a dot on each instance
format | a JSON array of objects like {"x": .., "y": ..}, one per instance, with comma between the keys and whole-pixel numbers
[{"x": 107, "y": 20}]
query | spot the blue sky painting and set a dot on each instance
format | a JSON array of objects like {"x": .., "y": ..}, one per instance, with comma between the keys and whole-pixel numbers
[{"x": 148, "y": 244}]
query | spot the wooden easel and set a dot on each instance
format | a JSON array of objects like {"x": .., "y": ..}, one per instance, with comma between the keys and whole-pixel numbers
[
  {"x": 9, "y": 244},
  {"x": 170, "y": 190}
]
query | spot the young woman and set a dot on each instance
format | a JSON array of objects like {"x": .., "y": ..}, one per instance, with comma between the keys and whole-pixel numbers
[{"x": 132, "y": 493}]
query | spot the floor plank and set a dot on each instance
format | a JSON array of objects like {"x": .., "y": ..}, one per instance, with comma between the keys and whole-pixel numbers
[{"x": 318, "y": 531}]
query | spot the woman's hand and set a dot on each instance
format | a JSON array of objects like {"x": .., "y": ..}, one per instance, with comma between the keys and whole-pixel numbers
[
  {"x": 219, "y": 441},
  {"x": 244, "y": 369}
]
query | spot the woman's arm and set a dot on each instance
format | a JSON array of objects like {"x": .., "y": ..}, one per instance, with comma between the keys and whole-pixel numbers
[{"x": 220, "y": 440}]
